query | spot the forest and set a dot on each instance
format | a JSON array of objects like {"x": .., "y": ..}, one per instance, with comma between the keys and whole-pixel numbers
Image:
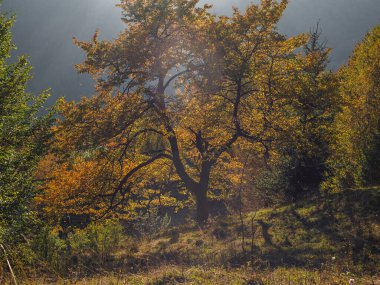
[{"x": 214, "y": 150}]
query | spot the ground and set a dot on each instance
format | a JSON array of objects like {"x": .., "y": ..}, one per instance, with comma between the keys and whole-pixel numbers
[{"x": 327, "y": 240}]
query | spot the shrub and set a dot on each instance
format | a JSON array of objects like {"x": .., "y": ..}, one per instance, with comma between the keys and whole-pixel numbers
[
  {"x": 98, "y": 239},
  {"x": 96, "y": 243},
  {"x": 152, "y": 223},
  {"x": 50, "y": 248}
]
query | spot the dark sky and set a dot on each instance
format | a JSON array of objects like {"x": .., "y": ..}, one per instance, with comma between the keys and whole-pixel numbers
[{"x": 45, "y": 28}]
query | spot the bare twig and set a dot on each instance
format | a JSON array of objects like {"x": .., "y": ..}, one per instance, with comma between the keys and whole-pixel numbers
[{"x": 9, "y": 264}]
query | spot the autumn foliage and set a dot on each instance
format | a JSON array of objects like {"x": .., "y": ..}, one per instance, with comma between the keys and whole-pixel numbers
[
  {"x": 178, "y": 92},
  {"x": 194, "y": 115}
]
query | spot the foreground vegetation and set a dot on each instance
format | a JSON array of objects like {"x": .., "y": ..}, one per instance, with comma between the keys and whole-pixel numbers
[
  {"x": 208, "y": 276},
  {"x": 329, "y": 241}
]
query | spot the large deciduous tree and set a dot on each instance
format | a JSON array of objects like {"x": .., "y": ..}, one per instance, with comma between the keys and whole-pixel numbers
[{"x": 178, "y": 90}]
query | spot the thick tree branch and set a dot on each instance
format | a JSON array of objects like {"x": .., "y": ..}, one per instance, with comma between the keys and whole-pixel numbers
[
  {"x": 166, "y": 85},
  {"x": 134, "y": 137},
  {"x": 139, "y": 167},
  {"x": 173, "y": 142}
]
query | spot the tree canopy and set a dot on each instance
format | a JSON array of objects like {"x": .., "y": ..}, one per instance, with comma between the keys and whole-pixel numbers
[
  {"x": 178, "y": 90},
  {"x": 356, "y": 141}
]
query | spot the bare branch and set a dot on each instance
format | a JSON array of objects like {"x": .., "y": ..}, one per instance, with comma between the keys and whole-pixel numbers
[{"x": 174, "y": 77}]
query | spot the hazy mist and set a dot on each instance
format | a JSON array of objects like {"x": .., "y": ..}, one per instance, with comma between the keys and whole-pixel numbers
[{"x": 45, "y": 28}]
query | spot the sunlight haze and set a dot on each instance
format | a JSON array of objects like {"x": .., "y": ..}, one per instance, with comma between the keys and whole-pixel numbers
[{"x": 45, "y": 28}]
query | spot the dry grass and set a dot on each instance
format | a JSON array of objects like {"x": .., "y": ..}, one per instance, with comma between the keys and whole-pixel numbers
[
  {"x": 212, "y": 276},
  {"x": 310, "y": 243}
]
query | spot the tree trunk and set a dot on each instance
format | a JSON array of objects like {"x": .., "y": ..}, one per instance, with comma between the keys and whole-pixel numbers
[{"x": 202, "y": 206}]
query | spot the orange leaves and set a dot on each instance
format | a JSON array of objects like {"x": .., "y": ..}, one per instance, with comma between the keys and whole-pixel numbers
[
  {"x": 101, "y": 121},
  {"x": 85, "y": 185},
  {"x": 233, "y": 79},
  {"x": 70, "y": 186}
]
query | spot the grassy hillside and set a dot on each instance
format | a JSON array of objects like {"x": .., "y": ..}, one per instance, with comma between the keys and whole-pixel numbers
[{"x": 325, "y": 241}]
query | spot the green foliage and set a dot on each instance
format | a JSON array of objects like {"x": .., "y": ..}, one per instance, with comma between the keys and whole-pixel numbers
[
  {"x": 23, "y": 134},
  {"x": 300, "y": 151},
  {"x": 356, "y": 140},
  {"x": 273, "y": 184},
  {"x": 51, "y": 249},
  {"x": 80, "y": 242},
  {"x": 98, "y": 239},
  {"x": 152, "y": 223},
  {"x": 91, "y": 245}
]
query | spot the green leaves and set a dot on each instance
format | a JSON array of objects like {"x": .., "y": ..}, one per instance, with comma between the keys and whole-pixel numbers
[
  {"x": 23, "y": 134},
  {"x": 356, "y": 140}
]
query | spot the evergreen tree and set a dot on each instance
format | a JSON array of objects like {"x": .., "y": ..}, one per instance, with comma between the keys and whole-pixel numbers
[
  {"x": 301, "y": 151},
  {"x": 23, "y": 134}
]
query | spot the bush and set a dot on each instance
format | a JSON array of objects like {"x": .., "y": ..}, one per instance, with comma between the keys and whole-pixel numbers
[
  {"x": 152, "y": 223},
  {"x": 271, "y": 185},
  {"x": 96, "y": 243},
  {"x": 289, "y": 180},
  {"x": 98, "y": 239},
  {"x": 52, "y": 249}
]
